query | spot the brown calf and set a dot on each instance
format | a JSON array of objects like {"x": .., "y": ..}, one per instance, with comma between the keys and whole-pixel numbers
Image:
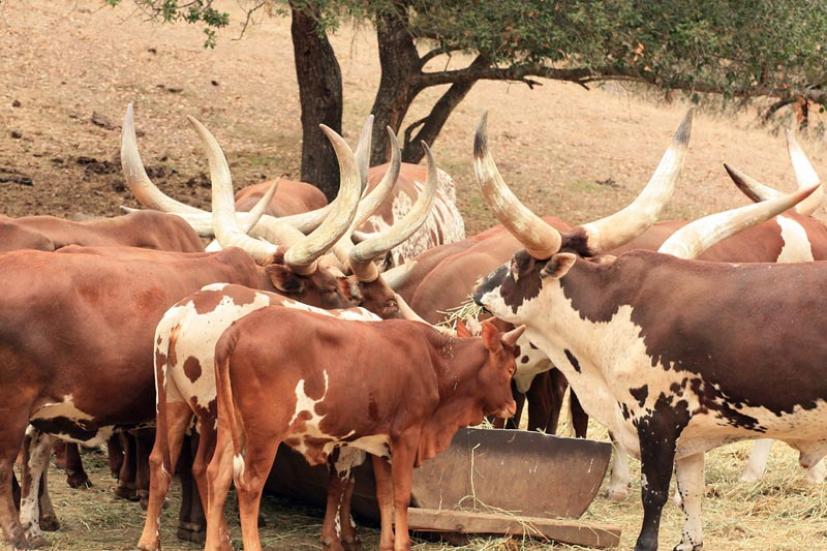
[{"x": 395, "y": 389}]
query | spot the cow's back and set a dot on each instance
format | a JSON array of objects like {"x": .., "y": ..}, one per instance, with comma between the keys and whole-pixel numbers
[{"x": 291, "y": 197}]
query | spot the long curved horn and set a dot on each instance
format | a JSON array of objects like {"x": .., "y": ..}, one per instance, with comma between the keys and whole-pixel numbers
[
  {"x": 363, "y": 147},
  {"x": 696, "y": 237},
  {"x": 362, "y": 256},
  {"x": 150, "y": 196},
  {"x": 302, "y": 255},
  {"x": 614, "y": 230},
  {"x": 227, "y": 229},
  {"x": 255, "y": 213},
  {"x": 373, "y": 200},
  {"x": 749, "y": 186},
  {"x": 540, "y": 240},
  {"x": 805, "y": 176},
  {"x": 136, "y": 177}
]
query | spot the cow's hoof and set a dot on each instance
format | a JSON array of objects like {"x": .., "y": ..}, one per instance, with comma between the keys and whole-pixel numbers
[
  {"x": 143, "y": 498},
  {"x": 618, "y": 494},
  {"x": 78, "y": 481},
  {"x": 188, "y": 531},
  {"x": 329, "y": 544},
  {"x": 49, "y": 524},
  {"x": 152, "y": 546},
  {"x": 126, "y": 493},
  {"x": 352, "y": 544},
  {"x": 688, "y": 547},
  {"x": 37, "y": 541}
]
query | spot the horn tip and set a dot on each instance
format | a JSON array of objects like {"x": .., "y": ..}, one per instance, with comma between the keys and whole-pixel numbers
[
  {"x": 481, "y": 137},
  {"x": 684, "y": 131}
]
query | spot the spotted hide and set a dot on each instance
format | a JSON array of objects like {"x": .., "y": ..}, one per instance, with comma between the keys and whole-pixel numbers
[
  {"x": 743, "y": 355},
  {"x": 396, "y": 388},
  {"x": 185, "y": 380}
]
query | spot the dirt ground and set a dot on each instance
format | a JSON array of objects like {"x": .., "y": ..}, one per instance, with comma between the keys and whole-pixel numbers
[{"x": 69, "y": 68}]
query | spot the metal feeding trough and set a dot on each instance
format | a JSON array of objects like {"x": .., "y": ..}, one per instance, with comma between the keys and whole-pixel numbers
[{"x": 488, "y": 481}]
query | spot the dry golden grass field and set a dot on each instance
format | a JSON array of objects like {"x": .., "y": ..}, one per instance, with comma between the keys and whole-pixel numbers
[{"x": 63, "y": 62}]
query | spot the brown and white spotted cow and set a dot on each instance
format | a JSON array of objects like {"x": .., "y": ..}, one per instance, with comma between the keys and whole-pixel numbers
[
  {"x": 184, "y": 363},
  {"x": 416, "y": 387},
  {"x": 674, "y": 356},
  {"x": 443, "y": 278},
  {"x": 79, "y": 327},
  {"x": 443, "y": 225}
]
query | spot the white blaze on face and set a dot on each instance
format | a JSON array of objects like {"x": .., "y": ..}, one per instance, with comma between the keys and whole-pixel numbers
[{"x": 796, "y": 244}]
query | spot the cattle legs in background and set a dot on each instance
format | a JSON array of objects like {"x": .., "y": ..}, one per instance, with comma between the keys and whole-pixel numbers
[
  {"x": 339, "y": 530},
  {"x": 115, "y": 453},
  {"x": 67, "y": 457},
  {"x": 757, "y": 464},
  {"x": 192, "y": 526},
  {"x": 37, "y": 450}
]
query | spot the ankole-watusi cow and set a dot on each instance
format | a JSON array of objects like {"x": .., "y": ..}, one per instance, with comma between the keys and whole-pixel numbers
[
  {"x": 185, "y": 342},
  {"x": 442, "y": 279},
  {"x": 79, "y": 325},
  {"x": 675, "y": 356},
  {"x": 443, "y": 225},
  {"x": 416, "y": 387}
]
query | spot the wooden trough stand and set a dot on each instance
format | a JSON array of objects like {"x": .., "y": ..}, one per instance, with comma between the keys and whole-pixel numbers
[{"x": 518, "y": 483}]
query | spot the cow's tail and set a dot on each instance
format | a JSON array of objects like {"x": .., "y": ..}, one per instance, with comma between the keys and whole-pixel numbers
[
  {"x": 226, "y": 405},
  {"x": 161, "y": 366}
]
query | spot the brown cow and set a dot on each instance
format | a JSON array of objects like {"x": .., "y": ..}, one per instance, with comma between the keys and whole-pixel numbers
[
  {"x": 416, "y": 387},
  {"x": 185, "y": 344},
  {"x": 104, "y": 303}
]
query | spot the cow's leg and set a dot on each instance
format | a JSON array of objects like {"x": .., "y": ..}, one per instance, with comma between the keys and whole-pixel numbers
[
  {"x": 204, "y": 451},
  {"x": 657, "y": 434},
  {"x": 404, "y": 455},
  {"x": 219, "y": 477},
  {"x": 126, "y": 477},
  {"x": 144, "y": 439},
  {"x": 48, "y": 517},
  {"x": 757, "y": 462},
  {"x": 816, "y": 474},
  {"x": 191, "y": 522},
  {"x": 336, "y": 482},
  {"x": 618, "y": 489},
  {"x": 37, "y": 451},
  {"x": 579, "y": 417},
  {"x": 250, "y": 478},
  {"x": 114, "y": 455},
  {"x": 349, "y": 535},
  {"x": 689, "y": 472},
  {"x": 76, "y": 476},
  {"x": 162, "y": 462},
  {"x": 9, "y": 517},
  {"x": 543, "y": 403},
  {"x": 384, "y": 497}
]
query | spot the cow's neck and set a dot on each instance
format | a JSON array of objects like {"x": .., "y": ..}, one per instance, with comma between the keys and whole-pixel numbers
[{"x": 456, "y": 363}]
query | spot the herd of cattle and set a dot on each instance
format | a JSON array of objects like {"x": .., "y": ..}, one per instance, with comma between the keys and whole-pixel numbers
[{"x": 311, "y": 324}]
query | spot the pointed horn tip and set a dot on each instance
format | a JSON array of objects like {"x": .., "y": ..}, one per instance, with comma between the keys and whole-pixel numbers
[
  {"x": 684, "y": 131},
  {"x": 481, "y": 137}
]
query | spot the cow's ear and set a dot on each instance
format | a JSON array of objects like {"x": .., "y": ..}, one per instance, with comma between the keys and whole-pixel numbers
[
  {"x": 284, "y": 279},
  {"x": 462, "y": 329},
  {"x": 491, "y": 336},
  {"x": 510, "y": 339},
  {"x": 559, "y": 265}
]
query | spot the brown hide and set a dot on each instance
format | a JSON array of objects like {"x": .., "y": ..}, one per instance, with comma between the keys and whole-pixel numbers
[
  {"x": 291, "y": 197},
  {"x": 145, "y": 229}
]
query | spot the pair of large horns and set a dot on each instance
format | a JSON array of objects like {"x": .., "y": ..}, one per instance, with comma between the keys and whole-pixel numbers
[
  {"x": 697, "y": 236},
  {"x": 302, "y": 250},
  {"x": 150, "y": 196},
  {"x": 542, "y": 240},
  {"x": 805, "y": 177},
  {"x": 362, "y": 256}
]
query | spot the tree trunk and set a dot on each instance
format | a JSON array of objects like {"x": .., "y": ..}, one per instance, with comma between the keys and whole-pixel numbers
[
  {"x": 320, "y": 94},
  {"x": 401, "y": 65}
]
